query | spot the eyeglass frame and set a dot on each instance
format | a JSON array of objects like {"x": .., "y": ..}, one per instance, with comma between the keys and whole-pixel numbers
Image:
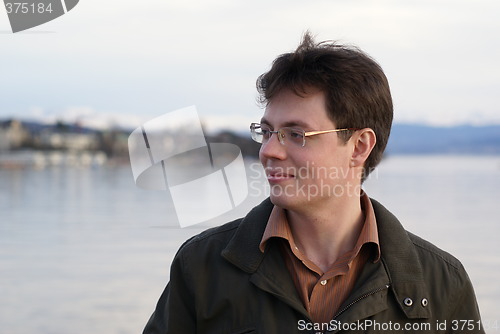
[{"x": 281, "y": 136}]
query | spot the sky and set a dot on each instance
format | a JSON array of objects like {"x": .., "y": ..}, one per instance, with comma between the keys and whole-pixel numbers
[{"x": 125, "y": 62}]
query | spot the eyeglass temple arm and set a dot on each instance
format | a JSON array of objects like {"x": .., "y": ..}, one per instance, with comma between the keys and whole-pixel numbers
[{"x": 313, "y": 133}]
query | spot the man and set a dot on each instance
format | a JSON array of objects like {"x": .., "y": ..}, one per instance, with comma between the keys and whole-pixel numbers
[{"x": 319, "y": 255}]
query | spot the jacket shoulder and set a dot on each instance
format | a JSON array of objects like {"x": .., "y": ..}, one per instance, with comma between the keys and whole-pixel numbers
[
  {"x": 440, "y": 266},
  {"x": 219, "y": 235},
  {"x": 236, "y": 242},
  {"x": 401, "y": 243},
  {"x": 428, "y": 251},
  {"x": 447, "y": 281},
  {"x": 247, "y": 230}
]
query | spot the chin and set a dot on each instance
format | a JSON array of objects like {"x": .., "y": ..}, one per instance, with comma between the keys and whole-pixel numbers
[
  {"x": 279, "y": 198},
  {"x": 286, "y": 201}
]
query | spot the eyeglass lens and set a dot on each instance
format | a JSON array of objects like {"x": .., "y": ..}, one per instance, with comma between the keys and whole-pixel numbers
[{"x": 262, "y": 133}]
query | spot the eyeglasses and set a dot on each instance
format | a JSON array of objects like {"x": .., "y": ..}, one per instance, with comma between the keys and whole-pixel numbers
[{"x": 261, "y": 133}]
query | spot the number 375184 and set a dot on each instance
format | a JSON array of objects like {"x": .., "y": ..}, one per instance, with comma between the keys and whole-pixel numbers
[{"x": 28, "y": 8}]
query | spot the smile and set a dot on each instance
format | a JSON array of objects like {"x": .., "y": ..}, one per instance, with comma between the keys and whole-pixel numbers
[{"x": 278, "y": 176}]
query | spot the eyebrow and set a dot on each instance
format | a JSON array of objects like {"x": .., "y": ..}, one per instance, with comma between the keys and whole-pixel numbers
[{"x": 291, "y": 123}]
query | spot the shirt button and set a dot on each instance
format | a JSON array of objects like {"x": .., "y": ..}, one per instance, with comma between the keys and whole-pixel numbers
[{"x": 323, "y": 282}]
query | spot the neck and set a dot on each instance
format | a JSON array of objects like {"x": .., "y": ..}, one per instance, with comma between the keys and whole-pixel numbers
[{"x": 325, "y": 234}]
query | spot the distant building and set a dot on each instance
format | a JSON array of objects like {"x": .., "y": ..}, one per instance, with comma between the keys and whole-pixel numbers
[
  {"x": 4, "y": 140},
  {"x": 67, "y": 141},
  {"x": 13, "y": 135}
]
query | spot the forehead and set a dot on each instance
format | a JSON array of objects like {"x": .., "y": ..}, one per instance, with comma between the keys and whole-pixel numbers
[{"x": 288, "y": 108}]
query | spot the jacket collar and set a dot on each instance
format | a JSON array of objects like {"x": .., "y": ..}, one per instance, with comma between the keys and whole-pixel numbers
[
  {"x": 399, "y": 257},
  {"x": 243, "y": 248}
]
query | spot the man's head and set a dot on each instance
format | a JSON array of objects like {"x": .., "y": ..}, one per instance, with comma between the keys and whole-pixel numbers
[{"x": 356, "y": 90}]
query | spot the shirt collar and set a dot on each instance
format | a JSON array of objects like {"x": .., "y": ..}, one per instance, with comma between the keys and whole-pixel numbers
[{"x": 278, "y": 227}]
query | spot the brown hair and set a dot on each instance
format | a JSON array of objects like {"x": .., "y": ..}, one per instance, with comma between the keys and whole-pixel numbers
[{"x": 356, "y": 89}]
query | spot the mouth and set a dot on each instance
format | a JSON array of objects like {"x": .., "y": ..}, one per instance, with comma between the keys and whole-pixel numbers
[{"x": 278, "y": 176}]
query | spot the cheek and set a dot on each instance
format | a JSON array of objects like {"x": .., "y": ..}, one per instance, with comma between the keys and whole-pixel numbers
[{"x": 327, "y": 167}]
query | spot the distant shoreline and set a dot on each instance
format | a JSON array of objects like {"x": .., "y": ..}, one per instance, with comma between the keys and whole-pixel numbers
[{"x": 75, "y": 141}]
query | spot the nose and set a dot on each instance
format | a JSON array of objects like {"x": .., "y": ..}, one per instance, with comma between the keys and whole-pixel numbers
[{"x": 272, "y": 149}]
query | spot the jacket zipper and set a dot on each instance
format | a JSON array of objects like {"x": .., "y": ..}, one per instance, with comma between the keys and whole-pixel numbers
[{"x": 360, "y": 298}]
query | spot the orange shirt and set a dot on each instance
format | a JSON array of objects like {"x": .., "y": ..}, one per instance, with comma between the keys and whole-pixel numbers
[{"x": 323, "y": 293}]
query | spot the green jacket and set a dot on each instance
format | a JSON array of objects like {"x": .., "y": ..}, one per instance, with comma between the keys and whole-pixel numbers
[{"x": 221, "y": 283}]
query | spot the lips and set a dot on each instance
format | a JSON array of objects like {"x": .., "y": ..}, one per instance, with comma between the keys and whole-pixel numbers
[{"x": 277, "y": 176}]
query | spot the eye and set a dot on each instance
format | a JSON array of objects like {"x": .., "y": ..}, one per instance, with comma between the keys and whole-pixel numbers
[
  {"x": 296, "y": 134},
  {"x": 265, "y": 130}
]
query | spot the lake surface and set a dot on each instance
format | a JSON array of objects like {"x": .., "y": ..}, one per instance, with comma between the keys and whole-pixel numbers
[{"x": 85, "y": 251}]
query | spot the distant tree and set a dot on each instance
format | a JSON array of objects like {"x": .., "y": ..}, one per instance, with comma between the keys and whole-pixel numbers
[{"x": 61, "y": 126}]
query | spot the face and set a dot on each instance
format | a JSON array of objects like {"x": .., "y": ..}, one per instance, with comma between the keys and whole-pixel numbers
[{"x": 308, "y": 176}]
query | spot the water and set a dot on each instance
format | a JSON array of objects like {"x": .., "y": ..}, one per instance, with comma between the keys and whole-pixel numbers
[{"x": 85, "y": 251}]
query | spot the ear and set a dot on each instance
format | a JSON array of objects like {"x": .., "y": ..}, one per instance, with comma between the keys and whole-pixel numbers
[{"x": 364, "y": 140}]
